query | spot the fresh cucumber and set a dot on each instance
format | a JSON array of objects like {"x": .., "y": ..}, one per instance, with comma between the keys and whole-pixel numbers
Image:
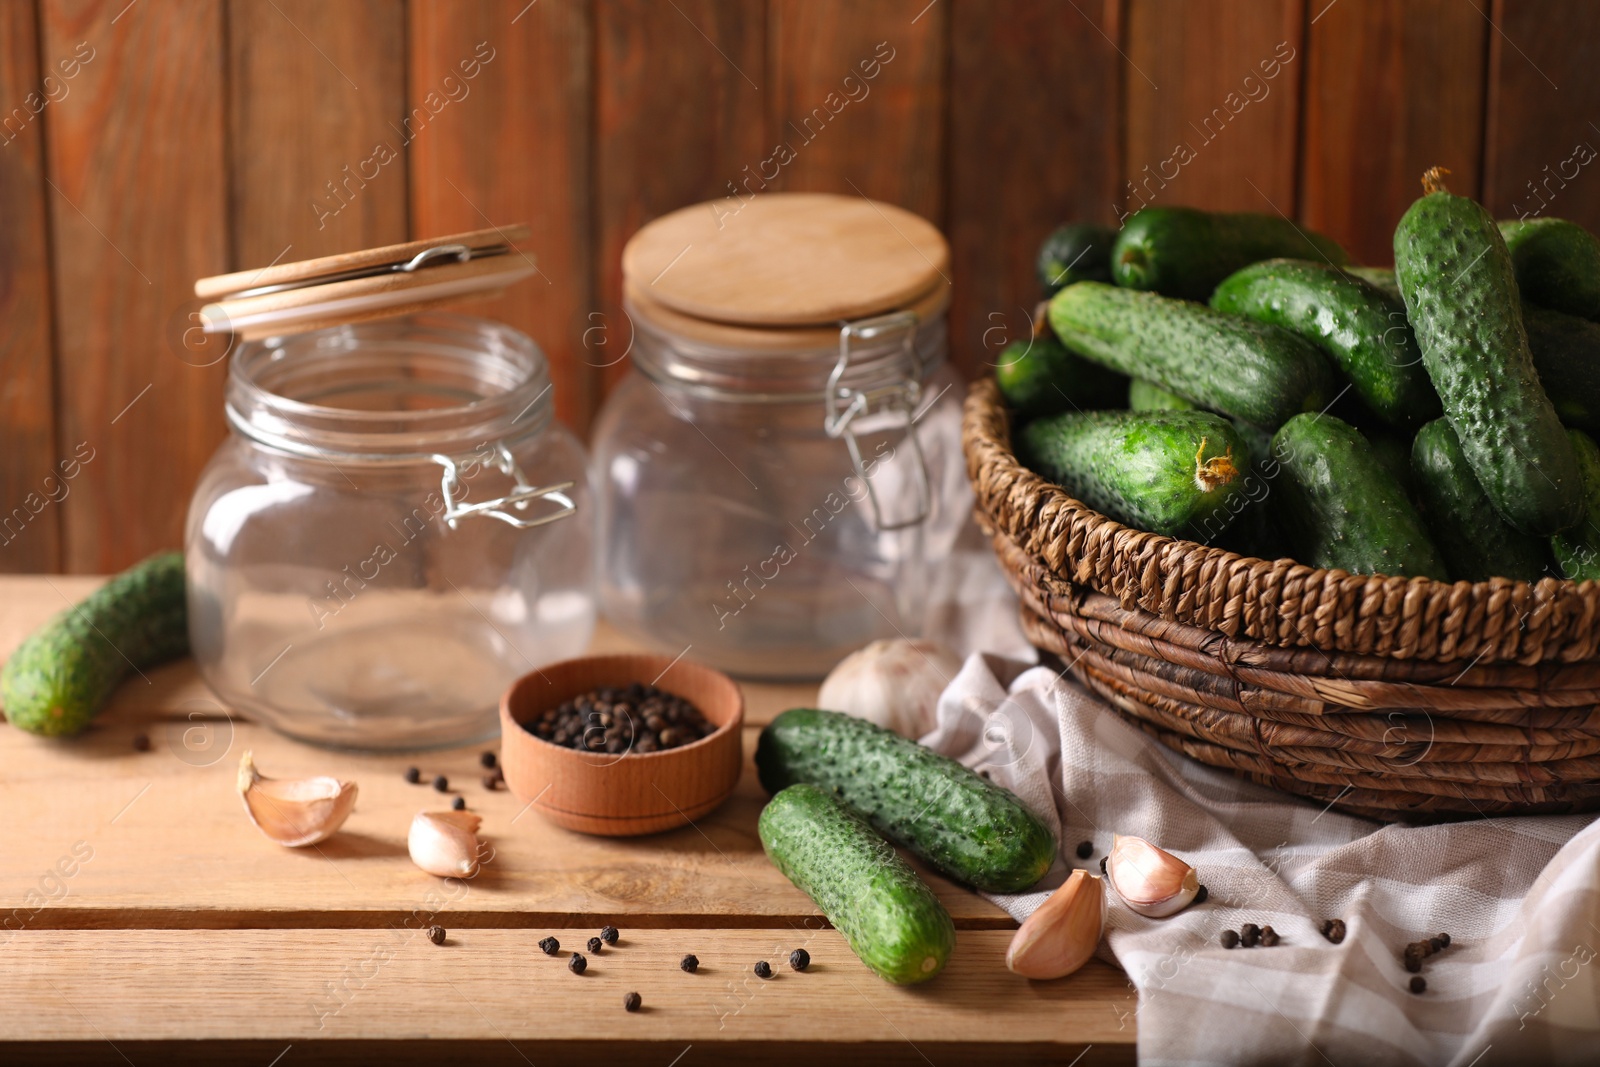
[
  {"x": 1185, "y": 252},
  {"x": 1254, "y": 529},
  {"x": 1170, "y": 472},
  {"x": 1040, "y": 377},
  {"x": 1394, "y": 452},
  {"x": 1566, "y": 353},
  {"x": 1477, "y": 544},
  {"x": 1247, "y": 370},
  {"x": 1557, "y": 264},
  {"x": 1362, "y": 329},
  {"x": 1342, "y": 507},
  {"x": 1382, "y": 277},
  {"x": 1145, "y": 396},
  {"x": 1577, "y": 550},
  {"x": 60, "y": 677},
  {"x": 967, "y": 827},
  {"x": 1461, "y": 297},
  {"x": 874, "y": 898},
  {"x": 1076, "y": 252}
]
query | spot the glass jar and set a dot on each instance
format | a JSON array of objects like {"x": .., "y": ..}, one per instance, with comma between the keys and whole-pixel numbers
[{"x": 394, "y": 530}]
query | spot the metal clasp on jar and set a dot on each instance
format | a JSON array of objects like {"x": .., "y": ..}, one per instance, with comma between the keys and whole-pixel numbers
[
  {"x": 844, "y": 405},
  {"x": 520, "y": 498}
]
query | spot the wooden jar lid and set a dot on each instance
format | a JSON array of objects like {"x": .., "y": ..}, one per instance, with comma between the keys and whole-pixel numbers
[
  {"x": 786, "y": 260},
  {"x": 373, "y": 283}
]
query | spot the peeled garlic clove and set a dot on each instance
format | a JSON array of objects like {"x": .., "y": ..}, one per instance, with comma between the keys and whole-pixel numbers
[
  {"x": 445, "y": 843},
  {"x": 294, "y": 811},
  {"x": 1151, "y": 881},
  {"x": 1063, "y": 933},
  {"x": 894, "y": 684}
]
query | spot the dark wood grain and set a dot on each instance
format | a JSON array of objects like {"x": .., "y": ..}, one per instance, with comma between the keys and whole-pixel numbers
[
  {"x": 1543, "y": 152},
  {"x": 314, "y": 90},
  {"x": 1213, "y": 103},
  {"x": 32, "y": 487},
  {"x": 887, "y": 144},
  {"x": 658, "y": 150},
  {"x": 138, "y": 210},
  {"x": 514, "y": 148},
  {"x": 1391, "y": 90},
  {"x": 1031, "y": 144}
]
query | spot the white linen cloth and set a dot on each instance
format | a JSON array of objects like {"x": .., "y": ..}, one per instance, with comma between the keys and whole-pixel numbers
[{"x": 1520, "y": 898}]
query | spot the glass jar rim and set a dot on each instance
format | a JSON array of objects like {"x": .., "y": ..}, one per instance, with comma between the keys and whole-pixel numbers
[{"x": 499, "y": 375}]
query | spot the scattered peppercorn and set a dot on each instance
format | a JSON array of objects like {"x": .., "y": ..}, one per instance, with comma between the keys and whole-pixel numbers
[
  {"x": 487, "y": 761},
  {"x": 690, "y": 963},
  {"x": 1085, "y": 849},
  {"x": 436, "y": 934},
  {"x": 1418, "y": 984},
  {"x": 141, "y": 742},
  {"x": 631, "y": 1002},
  {"x": 1444, "y": 940},
  {"x": 577, "y": 964},
  {"x": 491, "y": 782},
  {"x": 1103, "y": 860},
  {"x": 608, "y": 934},
  {"x": 459, "y": 804},
  {"x": 1249, "y": 935},
  {"x": 550, "y": 946},
  {"x": 763, "y": 969},
  {"x": 442, "y": 784},
  {"x": 594, "y": 945},
  {"x": 1333, "y": 930},
  {"x": 413, "y": 775},
  {"x": 799, "y": 959},
  {"x": 638, "y": 718},
  {"x": 1230, "y": 939},
  {"x": 1269, "y": 936},
  {"x": 1413, "y": 963},
  {"x": 1202, "y": 896}
]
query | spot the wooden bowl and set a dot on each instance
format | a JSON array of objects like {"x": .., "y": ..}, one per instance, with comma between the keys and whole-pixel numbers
[{"x": 613, "y": 794}]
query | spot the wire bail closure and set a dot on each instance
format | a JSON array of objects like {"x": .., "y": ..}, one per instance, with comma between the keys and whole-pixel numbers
[
  {"x": 844, "y": 404},
  {"x": 519, "y": 498}
]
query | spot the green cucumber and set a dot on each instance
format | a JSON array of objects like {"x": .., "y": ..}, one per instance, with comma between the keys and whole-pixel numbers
[
  {"x": 957, "y": 822},
  {"x": 1382, "y": 277},
  {"x": 60, "y": 677},
  {"x": 1040, "y": 377},
  {"x": 1076, "y": 252},
  {"x": 1342, "y": 507},
  {"x": 1185, "y": 252},
  {"x": 1361, "y": 327},
  {"x": 1557, "y": 264},
  {"x": 874, "y": 898},
  {"x": 1577, "y": 550},
  {"x": 1566, "y": 353},
  {"x": 1243, "y": 369},
  {"x": 1145, "y": 396},
  {"x": 1254, "y": 529},
  {"x": 1477, "y": 544},
  {"x": 1394, "y": 452},
  {"x": 1461, "y": 297},
  {"x": 1169, "y": 472}
]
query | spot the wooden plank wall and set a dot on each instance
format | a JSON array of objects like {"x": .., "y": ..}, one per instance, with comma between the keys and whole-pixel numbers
[{"x": 144, "y": 144}]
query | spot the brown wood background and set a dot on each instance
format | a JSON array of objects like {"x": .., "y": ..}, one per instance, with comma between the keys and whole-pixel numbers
[{"x": 193, "y": 137}]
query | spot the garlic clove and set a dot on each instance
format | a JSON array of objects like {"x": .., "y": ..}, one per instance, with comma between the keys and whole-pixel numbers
[
  {"x": 892, "y": 683},
  {"x": 294, "y": 811},
  {"x": 1063, "y": 933},
  {"x": 1150, "y": 880},
  {"x": 445, "y": 843}
]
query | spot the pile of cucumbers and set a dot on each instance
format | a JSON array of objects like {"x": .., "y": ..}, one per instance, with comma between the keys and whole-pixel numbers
[{"x": 1232, "y": 379}]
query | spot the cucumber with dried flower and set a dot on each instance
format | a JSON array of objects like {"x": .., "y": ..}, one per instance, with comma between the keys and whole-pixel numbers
[
  {"x": 1040, "y": 377},
  {"x": 1577, "y": 550},
  {"x": 1557, "y": 264},
  {"x": 1477, "y": 544},
  {"x": 1185, "y": 252}
]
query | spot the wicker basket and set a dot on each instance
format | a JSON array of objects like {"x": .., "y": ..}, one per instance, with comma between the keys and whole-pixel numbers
[{"x": 1393, "y": 698}]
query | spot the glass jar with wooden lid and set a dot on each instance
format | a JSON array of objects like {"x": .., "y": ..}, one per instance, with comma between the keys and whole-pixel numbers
[{"x": 779, "y": 475}]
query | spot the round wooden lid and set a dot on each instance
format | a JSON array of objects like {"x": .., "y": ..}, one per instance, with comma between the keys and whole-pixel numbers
[{"x": 787, "y": 259}]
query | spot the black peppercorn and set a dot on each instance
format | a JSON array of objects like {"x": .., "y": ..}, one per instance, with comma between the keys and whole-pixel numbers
[
  {"x": 491, "y": 782},
  {"x": 1333, "y": 930},
  {"x": 690, "y": 963},
  {"x": 459, "y": 804},
  {"x": 487, "y": 761},
  {"x": 1418, "y": 984},
  {"x": 1103, "y": 864},
  {"x": 1202, "y": 896},
  {"x": 1413, "y": 963},
  {"x": 631, "y": 1002},
  {"x": 141, "y": 742},
  {"x": 1249, "y": 935},
  {"x": 436, "y": 934},
  {"x": 1230, "y": 939},
  {"x": 577, "y": 964},
  {"x": 413, "y": 775},
  {"x": 442, "y": 784},
  {"x": 763, "y": 969},
  {"x": 799, "y": 959},
  {"x": 550, "y": 946},
  {"x": 1269, "y": 936},
  {"x": 1444, "y": 940},
  {"x": 1085, "y": 849},
  {"x": 594, "y": 945},
  {"x": 608, "y": 934}
]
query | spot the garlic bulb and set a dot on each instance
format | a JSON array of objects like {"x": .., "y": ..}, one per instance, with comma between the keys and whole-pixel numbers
[
  {"x": 894, "y": 684},
  {"x": 294, "y": 811},
  {"x": 1151, "y": 881},
  {"x": 445, "y": 842},
  {"x": 1063, "y": 933}
]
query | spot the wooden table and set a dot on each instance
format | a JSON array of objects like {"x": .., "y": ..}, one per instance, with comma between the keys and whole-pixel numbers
[{"x": 145, "y": 921}]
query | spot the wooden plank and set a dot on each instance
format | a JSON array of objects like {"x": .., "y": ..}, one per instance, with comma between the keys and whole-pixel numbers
[
  {"x": 303, "y": 185},
  {"x": 881, "y": 132},
  {"x": 500, "y": 133},
  {"x": 1034, "y": 133},
  {"x": 137, "y": 212},
  {"x": 1213, "y": 113},
  {"x": 656, "y": 151},
  {"x": 32, "y": 487},
  {"x": 493, "y": 985},
  {"x": 1543, "y": 152},
  {"x": 1391, "y": 90}
]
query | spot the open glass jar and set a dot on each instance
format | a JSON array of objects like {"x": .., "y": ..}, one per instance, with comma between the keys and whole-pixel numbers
[
  {"x": 394, "y": 530},
  {"x": 780, "y": 473}
]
